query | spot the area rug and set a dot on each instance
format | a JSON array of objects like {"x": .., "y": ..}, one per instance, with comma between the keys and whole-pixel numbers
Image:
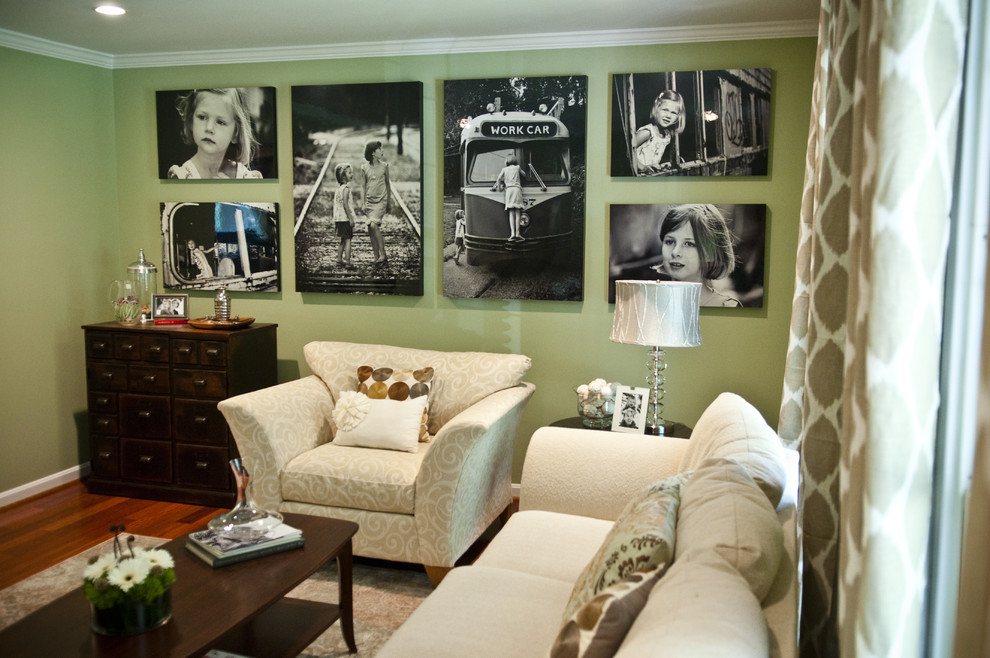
[{"x": 385, "y": 594}]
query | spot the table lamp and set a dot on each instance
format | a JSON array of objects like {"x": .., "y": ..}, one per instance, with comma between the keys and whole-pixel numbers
[{"x": 657, "y": 314}]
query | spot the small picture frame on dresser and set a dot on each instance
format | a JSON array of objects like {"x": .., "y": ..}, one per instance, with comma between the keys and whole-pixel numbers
[
  {"x": 630, "y": 409},
  {"x": 170, "y": 309}
]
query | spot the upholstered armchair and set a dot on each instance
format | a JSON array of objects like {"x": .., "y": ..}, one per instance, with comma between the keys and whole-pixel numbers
[{"x": 423, "y": 502}]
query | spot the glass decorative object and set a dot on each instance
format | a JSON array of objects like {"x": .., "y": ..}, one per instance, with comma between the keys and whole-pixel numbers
[
  {"x": 125, "y": 301},
  {"x": 596, "y": 404},
  {"x": 246, "y": 520},
  {"x": 144, "y": 274},
  {"x": 133, "y": 617},
  {"x": 221, "y": 306}
]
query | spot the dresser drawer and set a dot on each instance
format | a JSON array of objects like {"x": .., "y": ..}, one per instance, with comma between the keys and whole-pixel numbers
[
  {"x": 106, "y": 376},
  {"x": 200, "y": 382},
  {"x": 99, "y": 345},
  {"x": 147, "y": 379},
  {"x": 127, "y": 347},
  {"x": 199, "y": 352},
  {"x": 103, "y": 402},
  {"x": 154, "y": 349},
  {"x": 202, "y": 466},
  {"x": 146, "y": 460},
  {"x": 199, "y": 421},
  {"x": 105, "y": 460},
  {"x": 103, "y": 424},
  {"x": 145, "y": 416}
]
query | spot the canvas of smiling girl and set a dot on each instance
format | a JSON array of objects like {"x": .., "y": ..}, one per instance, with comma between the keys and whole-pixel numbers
[
  {"x": 217, "y": 123},
  {"x": 696, "y": 246}
]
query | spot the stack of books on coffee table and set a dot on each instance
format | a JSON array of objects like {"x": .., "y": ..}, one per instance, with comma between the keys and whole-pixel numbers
[{"x": 219, "y": 548}]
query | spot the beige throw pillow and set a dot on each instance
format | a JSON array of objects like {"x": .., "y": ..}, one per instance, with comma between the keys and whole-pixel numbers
[
  {"x": 723, "y": 511},
  {"x": 384, "y": 424},
  {"x": 641, "y": 539}
]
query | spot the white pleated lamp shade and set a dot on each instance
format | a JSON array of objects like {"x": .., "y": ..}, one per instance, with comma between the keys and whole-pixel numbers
[{"x": 657, "y": 313}]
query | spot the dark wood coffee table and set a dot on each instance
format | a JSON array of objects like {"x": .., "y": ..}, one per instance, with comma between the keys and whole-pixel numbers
[{"x": 238, "y": 608}]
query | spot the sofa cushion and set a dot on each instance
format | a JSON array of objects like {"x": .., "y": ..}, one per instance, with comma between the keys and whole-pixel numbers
[
  {"x": 723, "y": 511},
  {"x": 641, "y": 538},
  {"x": 371, "y": 423},
  {"x": 701, "y": 608},
  {"x": 461, "y": 378},
  {"x": 731, "y": 427},
  {"x": 597, "y": 629},
  {"x": 548, "y": 544},
  {"x": 411, "y": 386},
  {"x": 481, "y": 612},
  {"x": 343, "y": 476}
]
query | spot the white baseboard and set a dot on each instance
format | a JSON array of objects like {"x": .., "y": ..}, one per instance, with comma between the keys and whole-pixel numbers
[
  {"x": 16, "y": 494},
  {"x": 515, "y": 490}
]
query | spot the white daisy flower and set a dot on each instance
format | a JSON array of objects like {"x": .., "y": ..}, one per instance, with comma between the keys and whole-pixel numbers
[
  {"x": 129, "y": 572},
  {"x": 156, "y": 557},
  {"x": 99, "y": 566}
]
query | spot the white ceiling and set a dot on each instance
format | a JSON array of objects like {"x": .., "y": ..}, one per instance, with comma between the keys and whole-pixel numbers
[{"x": 399, "y": 26}]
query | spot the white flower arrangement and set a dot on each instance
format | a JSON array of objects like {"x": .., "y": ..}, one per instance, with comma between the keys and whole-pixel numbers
[
  {"x": 352, "y": 408},
  {"x": 115, "y": 578}
]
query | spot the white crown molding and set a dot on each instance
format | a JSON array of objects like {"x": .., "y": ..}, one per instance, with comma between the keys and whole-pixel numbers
[
  {"x": 590, "y": 39},
  {"x": 30, "y": 44}
]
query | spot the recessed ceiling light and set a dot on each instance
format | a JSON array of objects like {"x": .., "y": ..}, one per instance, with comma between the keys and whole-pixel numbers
[{"x": 110, "y": 10}]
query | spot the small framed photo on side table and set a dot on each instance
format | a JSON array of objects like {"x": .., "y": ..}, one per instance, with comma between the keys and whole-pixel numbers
[
  {"x": 170, "y": 309},
  {"x": 630, "y": 409}
]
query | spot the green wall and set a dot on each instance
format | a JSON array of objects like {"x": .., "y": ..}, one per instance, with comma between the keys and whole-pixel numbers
[
  {"x": 568, "y": 341},
  {"x": 61, "y": 247}
]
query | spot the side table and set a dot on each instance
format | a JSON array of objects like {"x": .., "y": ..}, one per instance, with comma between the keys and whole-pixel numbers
[{"x": 671, "y": 428}]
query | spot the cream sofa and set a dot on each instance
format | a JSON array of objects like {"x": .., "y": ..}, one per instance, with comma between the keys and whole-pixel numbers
[
  {"x": 732, "y": 586},
  {"x": 423, "y": 506}
]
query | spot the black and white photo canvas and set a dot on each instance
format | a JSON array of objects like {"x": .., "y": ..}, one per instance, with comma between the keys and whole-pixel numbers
[
  {"x": 691, "y": 123},
  {"x": 358, "y": 188},
  {"x": 208, "y": 246},
  {"x": 223, "y": 133},
  {"x": 514, "y": 187},
  {"x": 721, "y": 246}
]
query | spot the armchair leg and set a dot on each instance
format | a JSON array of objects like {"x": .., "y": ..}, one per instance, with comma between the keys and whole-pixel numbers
[{"x": 436, "y": 574}]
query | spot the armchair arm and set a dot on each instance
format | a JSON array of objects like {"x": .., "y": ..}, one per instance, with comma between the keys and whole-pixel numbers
[
  {"x": 593, "y": 472},
  {"x": 465, "y": 481},
  {"x": 273, "y": 425}
]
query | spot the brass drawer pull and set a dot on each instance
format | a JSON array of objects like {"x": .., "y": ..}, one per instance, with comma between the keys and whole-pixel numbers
[
  {"x": 150, "y": 379},
  {"x": 127, "y": 347},
  {"x": 104, "y": 454},
  {"x": 201, "y": 420},
  {"x": 202, "y": 466},
  {"x": 102, "y": 402},
  {"x": 199, "y": 382},
  {"x": 144, "y": 414},
  {"x": 103, "y": 422},
  {"x": 146, "y": 459},
  {"x": 213, "y": 351},
  {"x": 155, "y": 349},
  {"x": 99, "y": 347},
  {"x": 184, "y": 350},
  {"x": 106, "y": 375}
]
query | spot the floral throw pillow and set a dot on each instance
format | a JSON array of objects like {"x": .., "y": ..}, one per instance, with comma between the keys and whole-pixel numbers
[
  {"x": 641, "y": 539},
  {"x": 598, "y": 628},
  {"x": 384, "y": 383}
]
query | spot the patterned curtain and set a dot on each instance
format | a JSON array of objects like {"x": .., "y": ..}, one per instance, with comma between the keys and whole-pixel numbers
[{"x": 861, "y": 386}]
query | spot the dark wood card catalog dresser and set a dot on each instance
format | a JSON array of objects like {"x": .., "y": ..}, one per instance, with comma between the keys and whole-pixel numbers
[{"x": 155, "y": 430}]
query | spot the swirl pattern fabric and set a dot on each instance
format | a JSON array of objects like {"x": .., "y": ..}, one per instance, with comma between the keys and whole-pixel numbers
[{"x": 426, "y": 506}]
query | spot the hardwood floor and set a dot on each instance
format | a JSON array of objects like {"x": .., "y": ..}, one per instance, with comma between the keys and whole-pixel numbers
[{"x": 41, "y": 531}]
